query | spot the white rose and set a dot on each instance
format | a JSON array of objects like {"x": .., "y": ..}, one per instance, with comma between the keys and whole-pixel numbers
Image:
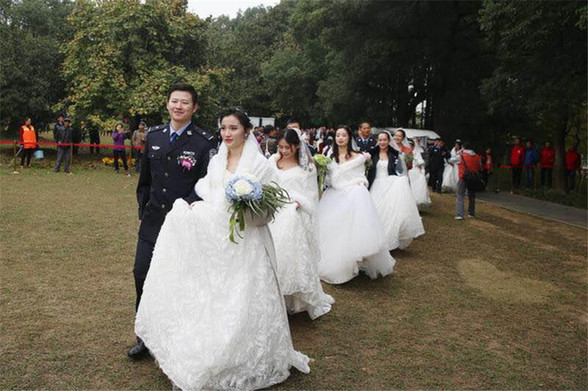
[{"x": 242, "y": 188}]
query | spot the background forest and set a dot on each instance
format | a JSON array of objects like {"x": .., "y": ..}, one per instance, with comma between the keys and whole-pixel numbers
[{"x": 477, "y": 70}]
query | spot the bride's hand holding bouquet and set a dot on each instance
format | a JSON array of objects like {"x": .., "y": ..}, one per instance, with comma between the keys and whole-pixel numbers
[{"x": 252, "y": 203}]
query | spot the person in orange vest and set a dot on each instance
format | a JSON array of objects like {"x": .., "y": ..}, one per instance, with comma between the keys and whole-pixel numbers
[
  {"x": 28, "y": 140},
  {"x": 517, "y": 157}
]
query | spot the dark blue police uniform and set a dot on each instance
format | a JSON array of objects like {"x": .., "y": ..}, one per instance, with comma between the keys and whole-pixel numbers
[
  {"x": 162, "y": 181},
  {"x": 367, "y": 144}
]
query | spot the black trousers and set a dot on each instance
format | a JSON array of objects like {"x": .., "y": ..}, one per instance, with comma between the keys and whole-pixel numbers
[
  {"x": 546, "y": 176},
  {"x": 143, "y": 257},
  {"x": 436, "y": 177},
  {"x": 27, "y": 152},
  {"x": 516, "y": 177},
  {"x": 123, "y": 155},
  {"x": 94, "y": 139}
]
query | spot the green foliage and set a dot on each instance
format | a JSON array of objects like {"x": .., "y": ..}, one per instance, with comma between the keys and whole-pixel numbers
[
  {"x": 124, "y": 55},
  {"x": 242, "y": 44},
  {"x": 32, "y": 32},
  {"x": 540, "y": 70}
]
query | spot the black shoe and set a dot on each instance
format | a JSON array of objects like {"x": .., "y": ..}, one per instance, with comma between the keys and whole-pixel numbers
[{"x": 138, "y": 351}]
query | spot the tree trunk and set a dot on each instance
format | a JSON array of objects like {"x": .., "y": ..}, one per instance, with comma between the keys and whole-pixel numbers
[{"x": 560, "y": 153}]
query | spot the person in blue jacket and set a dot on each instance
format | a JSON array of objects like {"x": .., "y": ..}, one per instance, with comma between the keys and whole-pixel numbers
[{"x": 531, "y": 160}]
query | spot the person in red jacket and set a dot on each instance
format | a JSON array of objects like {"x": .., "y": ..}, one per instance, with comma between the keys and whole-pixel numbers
[
  {"x": 466, "y": 158},
  {"x": 517, "y": 157},
  {"x": 546, "y": 160},
  {"x": 487, "y": 164},
  {"x": 572, "y": 165}
]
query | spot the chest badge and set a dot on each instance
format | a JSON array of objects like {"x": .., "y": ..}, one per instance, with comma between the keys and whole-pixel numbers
[
  {"x": 187, "y": 160},
  {"x": 155, "y": 147}
]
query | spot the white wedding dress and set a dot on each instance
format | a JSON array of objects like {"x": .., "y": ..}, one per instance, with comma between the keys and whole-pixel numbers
[
  {"x": 211, "y": 313},
  {"x": 396, "y": 208},
  {"x": 450, "y": 175},
  {"x": 351, "y": 236},
  {"x": 297, "y": 250},
  {"x": 418, "y": 181}
]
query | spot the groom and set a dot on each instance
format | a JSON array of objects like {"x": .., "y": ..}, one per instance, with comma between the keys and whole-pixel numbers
[{"x": 176, "y": 156}]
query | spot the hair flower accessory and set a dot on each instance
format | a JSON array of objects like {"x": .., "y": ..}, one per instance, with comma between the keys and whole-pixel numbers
[{"x": 186, "y": 161}]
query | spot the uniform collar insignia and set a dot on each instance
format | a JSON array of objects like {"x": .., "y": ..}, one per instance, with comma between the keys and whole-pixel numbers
[{"x": 189, "y": 132}]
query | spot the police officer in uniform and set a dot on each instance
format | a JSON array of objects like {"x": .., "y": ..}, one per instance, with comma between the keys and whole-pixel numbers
[
  {"x": 176, "y": 156},
  {"x": 365, "y": 140}
]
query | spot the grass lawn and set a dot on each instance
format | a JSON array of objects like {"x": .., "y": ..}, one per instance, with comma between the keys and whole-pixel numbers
[{"x": 498, "y": 302}]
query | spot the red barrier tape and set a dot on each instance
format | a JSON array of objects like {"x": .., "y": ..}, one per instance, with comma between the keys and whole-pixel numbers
[
  {"x": 75, "y": 145},
  {"x": 523, "y": 166}
]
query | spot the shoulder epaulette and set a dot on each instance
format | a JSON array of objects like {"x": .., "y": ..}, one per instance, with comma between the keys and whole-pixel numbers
[
  {"x": 207, "y": 135},
  {"x": 156, "y": 128}
]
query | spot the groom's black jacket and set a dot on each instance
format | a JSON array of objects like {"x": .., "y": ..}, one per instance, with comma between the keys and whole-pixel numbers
[{"x": 163, "y": 179}]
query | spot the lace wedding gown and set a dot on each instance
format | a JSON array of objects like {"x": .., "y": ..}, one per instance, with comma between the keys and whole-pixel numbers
[
  {"x": 351, "y": 236},
  {"x": 396, "y": 208},
  {"x": 418, "y": 181},
  {"x": 211, "y": 313},
  {"x": 297, "y": 250}
]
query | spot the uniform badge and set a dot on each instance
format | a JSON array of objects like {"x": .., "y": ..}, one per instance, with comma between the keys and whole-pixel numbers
[
  {"x": 155, "y": 147},
  {"x": 187, "y": 160}
]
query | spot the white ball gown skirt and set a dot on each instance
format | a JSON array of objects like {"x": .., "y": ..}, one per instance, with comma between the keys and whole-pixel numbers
[
  {"x": 449, "y": 178},
  {"x": 419, "y": 187},
  {"x": 351, "y": 236},
  {"x": 211, "y": 312},
  {"x": 298, "y": 255},
  {"x": 397, "y": 210}
]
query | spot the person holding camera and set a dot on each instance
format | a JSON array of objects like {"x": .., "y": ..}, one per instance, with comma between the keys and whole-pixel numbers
[{"x": 119, "y": 137}]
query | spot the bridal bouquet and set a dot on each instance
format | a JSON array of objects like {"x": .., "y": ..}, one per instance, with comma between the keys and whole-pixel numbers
[
  {"x": 246, "y": 193},
  {"x": 321, "y": 162},
  {"x": 408, "y": 158}
]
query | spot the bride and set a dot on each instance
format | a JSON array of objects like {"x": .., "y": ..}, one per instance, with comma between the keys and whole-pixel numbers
[
  {"x": 351, "y": 236},
  {"x": 293, "y": 229},
  {"x": 418, "y": 181},
  {"x": 212, "y": 313}
]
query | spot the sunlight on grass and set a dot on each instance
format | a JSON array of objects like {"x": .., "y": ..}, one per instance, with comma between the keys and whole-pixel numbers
[
  {"x": 493, "y": 303},
  {"x": 496, "y": 284}
]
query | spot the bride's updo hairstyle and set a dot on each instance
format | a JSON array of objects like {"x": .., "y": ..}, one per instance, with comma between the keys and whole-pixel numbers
[
  {"x": 291, "y": 137},
  {"x": 240, "y": 115},
  {"x": 336, "y": 146}
]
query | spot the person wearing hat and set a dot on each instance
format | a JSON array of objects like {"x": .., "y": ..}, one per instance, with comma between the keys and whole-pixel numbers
[
  {"x": 138, "y": 141},
  {"x": 63, "y": 139}
]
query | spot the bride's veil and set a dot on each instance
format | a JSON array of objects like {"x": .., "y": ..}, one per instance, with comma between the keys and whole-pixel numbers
[{"x": 304, "y": 154}]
